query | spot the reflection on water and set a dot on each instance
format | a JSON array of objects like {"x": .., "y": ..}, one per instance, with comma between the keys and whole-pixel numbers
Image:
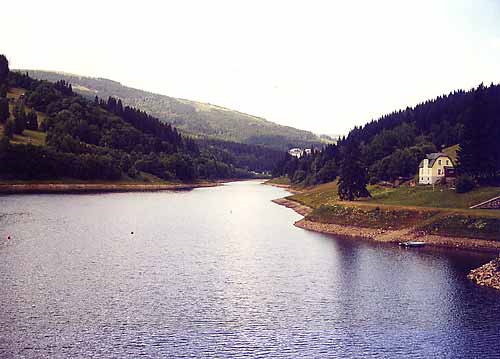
[{"x": 221, "y": 272}]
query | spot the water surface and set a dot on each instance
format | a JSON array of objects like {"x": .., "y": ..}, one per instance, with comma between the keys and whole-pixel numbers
[{"x": 222, "y": 273}]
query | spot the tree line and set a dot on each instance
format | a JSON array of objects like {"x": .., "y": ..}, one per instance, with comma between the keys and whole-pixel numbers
[{"x": 392, "y": 146}]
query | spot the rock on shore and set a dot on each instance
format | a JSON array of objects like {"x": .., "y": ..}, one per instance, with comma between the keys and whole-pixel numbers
[{"x": 487, "y": 275}]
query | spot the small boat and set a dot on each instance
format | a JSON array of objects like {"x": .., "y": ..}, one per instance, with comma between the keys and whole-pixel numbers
[{"x": 411, "y": 244}]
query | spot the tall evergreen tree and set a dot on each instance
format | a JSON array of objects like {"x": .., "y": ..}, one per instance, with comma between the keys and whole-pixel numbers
[
  {"x": 9, "y": 129},
  {"x": 353, "y": 173},
  {"x": 32, "y": 121},
  {"x": 4, "y": 110},
  {"x": 19, "y": 118},
  {"x": 478, "y": 153},
  {"x": 4, "y": 68}
]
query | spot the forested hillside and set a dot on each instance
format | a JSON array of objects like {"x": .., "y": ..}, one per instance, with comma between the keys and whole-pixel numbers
[
  {"x": 393, "y": 145},
  {"x": 196, "y": 118},
  {"x": 96, "y": 139}
]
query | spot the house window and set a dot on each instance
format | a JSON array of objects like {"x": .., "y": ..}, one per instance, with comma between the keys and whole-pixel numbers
[
  {"x": 439, "y": 162},
  {"x": 439, "y": 171},
  {"x": 447, "y": 162}
]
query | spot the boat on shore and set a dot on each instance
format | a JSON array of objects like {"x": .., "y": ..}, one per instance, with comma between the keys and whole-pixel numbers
[{"x": 411, "y": 244}]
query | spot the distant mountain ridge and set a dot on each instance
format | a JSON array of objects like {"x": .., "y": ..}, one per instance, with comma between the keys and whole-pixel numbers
[{"x": 196, "y": 118}]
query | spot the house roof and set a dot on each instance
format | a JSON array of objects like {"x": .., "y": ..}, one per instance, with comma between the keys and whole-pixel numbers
[{"x": 432, "y": 157}]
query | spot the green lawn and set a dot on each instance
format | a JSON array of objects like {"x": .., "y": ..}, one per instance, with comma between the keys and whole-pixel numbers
[
  {"x": 426, "y": 196},
  {"x": 279, "y": 180},
  {"x": 36, "y": 138},
  {"x": 420, "y": 196},
  {"x": 324, "y": 194}
]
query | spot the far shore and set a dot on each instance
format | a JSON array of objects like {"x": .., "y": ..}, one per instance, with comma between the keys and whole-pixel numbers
[
  {"x": 24, "y": 188},
  {"x": 386, "y": 235}
]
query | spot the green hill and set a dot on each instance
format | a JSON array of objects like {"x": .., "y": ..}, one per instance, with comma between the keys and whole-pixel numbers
[
  {"x": 195, "y": 118},
  {"x": 49, "y": 132}
]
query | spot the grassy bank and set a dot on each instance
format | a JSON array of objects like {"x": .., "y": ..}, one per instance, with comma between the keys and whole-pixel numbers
[
  {"x": 144, "y": 182},
  {"x": 97, "y": 187},
  {"x": 420, "y": 196},
  {"x": 279, "y": 181},
  {"x": 370, "y": 217},
  {"x": 460, "y": 225},
  {"x": 418, "y": 210}
]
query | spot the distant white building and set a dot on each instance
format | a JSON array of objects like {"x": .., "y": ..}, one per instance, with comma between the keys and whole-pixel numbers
[
  {"x": 295, "y": 152},
  {"x": 299, "y": 152}
]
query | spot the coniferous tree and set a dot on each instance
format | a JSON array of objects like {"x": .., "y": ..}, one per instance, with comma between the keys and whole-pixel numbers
[
  {"x": 119, "y": 108},
  {"x": 9, "y": 129},
  {"x": 32, "y": 121},
  {"x": 4, "y": 110},
  {"x": 478, "y": 153},
  {"x": 19, "y": 118},
  {"x": 4, "y": 69},
  {"x": 353, "y": 173}
]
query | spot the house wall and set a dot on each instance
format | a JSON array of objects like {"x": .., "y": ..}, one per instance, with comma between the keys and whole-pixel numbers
[
  {"x": 424, "y": 173},
  {"x": 432, "y": 175},
  {"x": 438, "y": 168}
]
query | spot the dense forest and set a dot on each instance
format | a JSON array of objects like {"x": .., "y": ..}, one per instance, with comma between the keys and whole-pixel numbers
[
  {"x": 201, "y": 120},
  {"x": 103, "y": 139},
  {"x": 393, "y": 146}
]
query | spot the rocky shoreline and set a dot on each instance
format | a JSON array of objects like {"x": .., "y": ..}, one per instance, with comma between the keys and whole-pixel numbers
[
  {"x": 486, "y": 275},
  {"x": 15, "y": 188}
]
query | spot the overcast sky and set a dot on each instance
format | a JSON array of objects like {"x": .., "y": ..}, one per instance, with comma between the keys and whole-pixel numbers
[{"x": 323, "y": 66}]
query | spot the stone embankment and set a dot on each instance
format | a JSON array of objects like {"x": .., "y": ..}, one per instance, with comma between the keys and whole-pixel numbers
[
  {"x": 487, "y": 275},
  {"x": 493, "y": 203}
]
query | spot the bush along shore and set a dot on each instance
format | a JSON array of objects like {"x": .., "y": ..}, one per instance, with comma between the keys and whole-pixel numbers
[{"x": 438, "y": 227}]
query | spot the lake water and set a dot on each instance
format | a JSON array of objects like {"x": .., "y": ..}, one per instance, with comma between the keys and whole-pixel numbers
[{"x": 222, "y": 273}]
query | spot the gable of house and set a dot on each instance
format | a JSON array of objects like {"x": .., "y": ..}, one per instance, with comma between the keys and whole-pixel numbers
[{"x": 433, "y": 167}]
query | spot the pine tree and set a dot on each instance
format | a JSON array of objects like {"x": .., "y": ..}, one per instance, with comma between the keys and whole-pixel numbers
[
  {"x": 4, "y": 110},
  {"x": 19, "y": 118},
  {"x": 4, "y": 69},
  {"x": 353, "y": 173},
  {"x": 9, "y": 129},
  {"x": 119, "y": 108},
  {"x": 32, "y": 121},
  {"x": 478, "y": 151}
]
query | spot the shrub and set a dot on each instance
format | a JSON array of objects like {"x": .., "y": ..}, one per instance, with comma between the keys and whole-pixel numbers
[
  {"x": 465, "y": 183},
  {"x": 299, "y": 176}
]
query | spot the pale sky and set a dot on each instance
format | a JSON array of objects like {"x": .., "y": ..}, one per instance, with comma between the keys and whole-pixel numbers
[{"x": 323, "y": 66}]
